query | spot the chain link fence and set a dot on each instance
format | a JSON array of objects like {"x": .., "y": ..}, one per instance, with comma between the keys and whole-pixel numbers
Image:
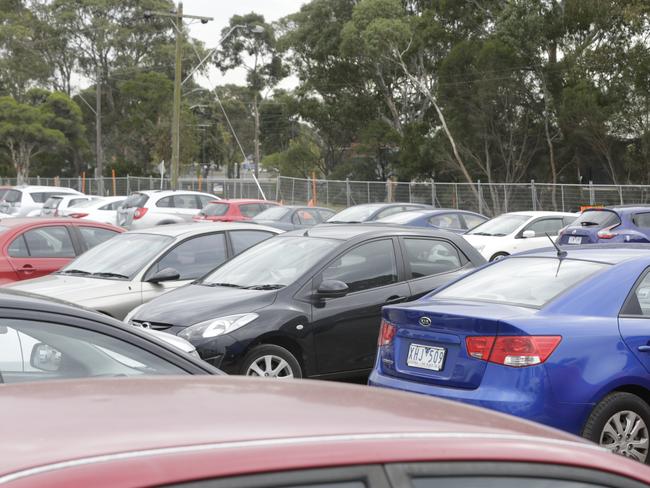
[{"x": 486, "y": 198}]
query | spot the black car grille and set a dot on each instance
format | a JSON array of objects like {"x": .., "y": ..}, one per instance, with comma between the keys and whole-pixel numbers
[{"x": 151, "y": 325}]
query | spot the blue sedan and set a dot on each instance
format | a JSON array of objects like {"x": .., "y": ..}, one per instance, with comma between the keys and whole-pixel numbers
[
  {"x": 458, "y": 221},
  {"x": 555, "y": 337}
]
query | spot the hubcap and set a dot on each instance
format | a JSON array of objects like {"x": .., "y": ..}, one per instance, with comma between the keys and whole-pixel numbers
[
  {"x": 270, "y": 367},
  {"x": 626, "y": 433}
]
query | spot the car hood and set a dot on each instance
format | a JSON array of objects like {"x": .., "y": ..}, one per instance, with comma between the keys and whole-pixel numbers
[
  {"x": 74, "y": 289},
  {"x": 476, "y": 240},
  {"x": 192, "y": 304}
]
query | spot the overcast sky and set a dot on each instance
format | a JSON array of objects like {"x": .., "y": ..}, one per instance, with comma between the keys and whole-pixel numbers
[{"x": 222, "y": 11}]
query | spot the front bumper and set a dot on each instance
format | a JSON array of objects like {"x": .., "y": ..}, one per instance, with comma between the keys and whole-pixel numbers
[{"x": 524, "y": 393}]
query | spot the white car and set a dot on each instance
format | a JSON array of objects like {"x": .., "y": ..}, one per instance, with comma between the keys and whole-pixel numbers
[
  {"x": 23, "y": 201},
  {"x": 161, "y": 207},
  {"x": 516, "y": 232},
  {"x": 57, "y": 204},
  {"x": 99, "y": 210}
]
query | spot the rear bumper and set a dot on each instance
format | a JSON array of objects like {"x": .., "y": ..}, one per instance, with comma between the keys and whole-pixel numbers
[{"x": 522, "y": 393}]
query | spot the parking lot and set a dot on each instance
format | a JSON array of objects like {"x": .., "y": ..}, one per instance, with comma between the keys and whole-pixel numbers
[{"x": 540, "y": 316}]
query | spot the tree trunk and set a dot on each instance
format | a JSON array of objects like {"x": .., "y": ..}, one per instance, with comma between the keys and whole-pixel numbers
[{"x": 256, "y": 113}]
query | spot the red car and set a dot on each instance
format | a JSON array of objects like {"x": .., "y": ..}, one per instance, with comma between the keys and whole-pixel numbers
[
  {"x": 235, "y": 210},
  {"x": 30, "y": 247},
  {"x": 245, "y": 432}
]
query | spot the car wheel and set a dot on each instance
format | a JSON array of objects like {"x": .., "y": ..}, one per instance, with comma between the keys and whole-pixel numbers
[
  {"x": 620, "y": 423},
  {"x": 271, "y": 361},
  {"x": 499, "y": 255}
]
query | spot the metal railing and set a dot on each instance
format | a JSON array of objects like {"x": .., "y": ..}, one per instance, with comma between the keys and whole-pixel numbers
[{"x": 486, "y": 198}]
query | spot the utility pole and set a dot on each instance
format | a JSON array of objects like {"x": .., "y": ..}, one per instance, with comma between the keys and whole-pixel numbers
[
  {"x": 99, "y": 166},
  {"x": 177, "y": 19}
]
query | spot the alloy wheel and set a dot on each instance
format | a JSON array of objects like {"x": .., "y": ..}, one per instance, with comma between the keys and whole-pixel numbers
[
  {"x": 270, "y": 366},
  {"x": 626, "y": 433}
]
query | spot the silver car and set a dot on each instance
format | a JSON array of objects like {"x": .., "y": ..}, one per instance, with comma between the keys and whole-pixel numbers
[
  {"x": 145, "y": 209},
  {"x": 135, "y": 267}
]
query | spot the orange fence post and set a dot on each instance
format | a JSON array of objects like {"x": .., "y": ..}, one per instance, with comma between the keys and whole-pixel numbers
[
  {"x": 200, "y": 183},
  {"x": 114, "y": 182},
  {"x": 83, "y": 182}
]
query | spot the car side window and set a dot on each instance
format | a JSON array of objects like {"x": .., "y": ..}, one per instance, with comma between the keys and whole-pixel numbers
[
  {"x": 497, "y": 482},
  {"x": 18, "y": 248},
  {"x": 638, "y": 303},
  {"x": 243, "y": 239},
  {"x": 95, "y": 235},
  {"x": 472, "y": 221},
  {"x": 75, "y": 201},
  {"x": 389, "y": 211},
  {"x": 49, "y": 242},
  {"x": 426, "y": 257},
  {"x": 306, "y": 216},
  {"x": 446, "y": 221},
  {"x": 204, "y": 200},
  {"x": 35, "y": 351},
  {"x": 546, "y": 226},
  {"x": 325, "y": 214},
  {"x": 369, "y": 265},
  {"x": 166, "y": 202},
  {"x": 194, "y": 257},
  {"x": 568, "y": 220},
  {"x": 642, "y": 220},
  {"x": 186, "y": 202},
  {"x": 250, "y": 209}
]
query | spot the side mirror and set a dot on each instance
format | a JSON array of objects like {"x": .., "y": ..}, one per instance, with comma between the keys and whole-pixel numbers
[
  {"x": 45, "y": 358},
  {"x": 167, "y": 274},
  {"x": 528, "y": 234},
  {"x": 332, "y": 289}
]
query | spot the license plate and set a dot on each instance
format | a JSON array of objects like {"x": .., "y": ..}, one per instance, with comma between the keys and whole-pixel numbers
[
  {"x": 575, "y": 240},
  {"x": 426, "y": 357}
]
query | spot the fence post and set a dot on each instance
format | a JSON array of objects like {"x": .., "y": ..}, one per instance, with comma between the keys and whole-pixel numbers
[
  {"x": 480, "y": 197},
  {"x": 456, "y": 194},
  {"x": 327, "y": 193},
  {"x": 368, "y": 190},
  {"x": 433, "y": 193},
  {"x": 347, "y": 191},
  {"x": 78, "y": 183},
  {"x": 308, "y": 189},
  {"x": 533, "y": 194},
  {"x": 505, "y": 198},
  {"x": 592, "y": 195},
  {"x": 277, "y": 188},
  {"x": 620, "y": 193},
  {"x": 293, "y": 190},
  {"x": 562, "y": 196},
  {"x": 128, "y": 185}
]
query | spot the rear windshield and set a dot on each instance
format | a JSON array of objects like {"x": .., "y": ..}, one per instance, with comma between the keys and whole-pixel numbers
[
  {"x": 273, "y": 213},
  {"x": 597, "y": 218},
  {"x": 135, "y": 200},
  {"x": 214, "y": 209},
  {"x": 403, "y": 217},
  {"x": 500, "y": 226},
  {"x": 13, "y": 196},
  {"x": 530, "y": 281},
  {"x": 53, "y": 202}
]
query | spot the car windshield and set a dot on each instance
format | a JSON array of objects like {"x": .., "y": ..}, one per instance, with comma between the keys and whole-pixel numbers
[
  {"x": 277, "y": 261},
  {"x": 273, "y": 213},
  {"x": 596, "y": 218},
  {"x": 124, "y": 254},
  {"x": 402, "y": 217},
  {"x": 135, "y": 200},
  {"x": 214, "y": 209},
  {"x": 529, "y": 281},
  {"x": 359, "y": 213},
  {"x": 500, "y": 226}
]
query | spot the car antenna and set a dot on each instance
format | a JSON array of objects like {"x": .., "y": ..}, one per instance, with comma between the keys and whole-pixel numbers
[
  {"x": 306, "y": 234},
  {"x": 561, "y": 254}
]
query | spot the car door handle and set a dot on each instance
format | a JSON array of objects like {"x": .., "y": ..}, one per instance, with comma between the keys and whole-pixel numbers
[
  {"x": 644, "y": 348},
  {"x": 395, "y": 299},
  {"x": 27, "y": 269}
]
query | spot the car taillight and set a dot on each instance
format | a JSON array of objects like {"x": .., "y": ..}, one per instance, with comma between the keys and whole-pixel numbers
[
  {"x": 78, "y": 215},
  {"x": 386, "y": 333},
  {"x": 139, "y": 213},
  {"x": 607, "y": 233},
  {"x": 515, "y": 351}
]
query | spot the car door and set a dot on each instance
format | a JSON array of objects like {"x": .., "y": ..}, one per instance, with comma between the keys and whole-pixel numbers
[
  {"x": 431, "y": 263},
  {"x": 541, "y": 227},
  {"x": 41, "y": 251},
  {"x": 345, "y": 329},
  {"x": 634, "y": 321},
  {"x": 192, "y": 258}
]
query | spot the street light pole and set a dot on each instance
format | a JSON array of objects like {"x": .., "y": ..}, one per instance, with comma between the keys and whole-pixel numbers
[{"x": 176, "y": 117}]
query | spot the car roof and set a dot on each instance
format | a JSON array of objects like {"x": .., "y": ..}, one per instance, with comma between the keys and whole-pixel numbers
[
  {"x": 13, "y": 222},
  {"x": 345, "y": 232},
  {"x": 607, "y": 253},
  {"x": 176, "y": 230},
  {"x": 132, "y": 415},
  {"x": 164, "y": 193},
  {"x": 244, "y": 200},
  {"x": 45, "y": 188},
  {"x": 624, "y": 208},
  {"x": 542, "y": 213}
]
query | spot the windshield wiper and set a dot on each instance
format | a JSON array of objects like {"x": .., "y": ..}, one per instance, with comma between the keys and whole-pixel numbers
[
  {"x": 481, "y": 234},
  {"x": 74, "y": 272},
  {"x": 110, "y": 275},
  {"x": 265, "y": 287},
  {"x": 230, "y": 285}
]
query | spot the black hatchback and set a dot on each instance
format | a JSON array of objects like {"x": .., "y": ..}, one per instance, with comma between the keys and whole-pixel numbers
[{"x": 308, "y": 303}]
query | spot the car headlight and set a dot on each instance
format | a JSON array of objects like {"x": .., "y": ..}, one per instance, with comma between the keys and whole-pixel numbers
[
  {"x": 131, "y": 314},
  {"x": 217, "y": 327}
]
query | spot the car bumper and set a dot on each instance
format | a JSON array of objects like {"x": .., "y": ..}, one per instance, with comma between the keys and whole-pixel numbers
[{"x": 531, "y": 399}]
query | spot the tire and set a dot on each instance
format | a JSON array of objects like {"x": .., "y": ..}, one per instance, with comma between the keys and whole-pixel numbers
[
  {"x": 499, "y": 255},
  {"x": 271, "y": 361},
  {"x": 633, "y": 416}
]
